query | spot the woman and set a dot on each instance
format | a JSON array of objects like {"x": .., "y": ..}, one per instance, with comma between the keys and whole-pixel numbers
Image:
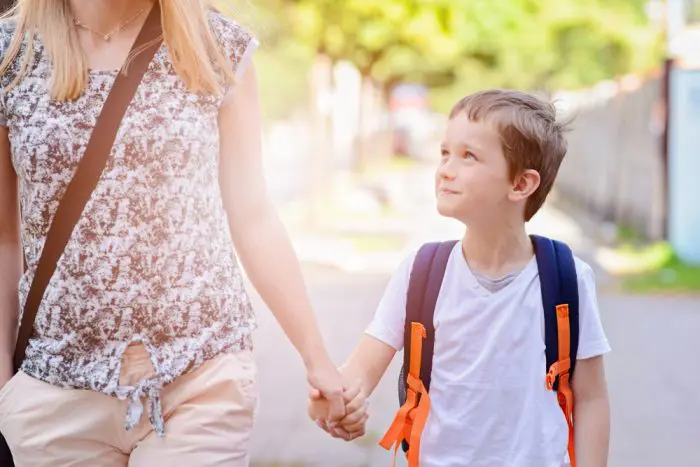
[{"x": 141, "y": 351}]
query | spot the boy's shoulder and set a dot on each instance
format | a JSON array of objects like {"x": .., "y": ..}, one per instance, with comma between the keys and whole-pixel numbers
[{"x": 584, "y": 271}]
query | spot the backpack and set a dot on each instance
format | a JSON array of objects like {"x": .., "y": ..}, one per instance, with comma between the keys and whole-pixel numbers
[{"x": 559, "y": 286}]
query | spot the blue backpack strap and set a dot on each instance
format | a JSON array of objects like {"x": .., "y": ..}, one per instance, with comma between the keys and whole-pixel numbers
[
  {"x": 432, "y": 290},
  {"x": 415, "y": 296},
  {"x": 423, "y": 289},
  {"x": 559, "y": 285},
  {"x": 568, "y": 281}
]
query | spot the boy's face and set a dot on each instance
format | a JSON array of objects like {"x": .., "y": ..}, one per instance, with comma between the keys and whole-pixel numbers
[{"x": 472, "y": 182}]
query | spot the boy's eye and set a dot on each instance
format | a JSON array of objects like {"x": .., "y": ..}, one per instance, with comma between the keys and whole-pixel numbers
[
  {"x": 469, "y": 155},
  {"x": 444, "y": 153}
]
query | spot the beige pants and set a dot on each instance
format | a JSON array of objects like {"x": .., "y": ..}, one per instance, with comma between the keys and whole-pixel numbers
[{"x": 208, "y": 415}]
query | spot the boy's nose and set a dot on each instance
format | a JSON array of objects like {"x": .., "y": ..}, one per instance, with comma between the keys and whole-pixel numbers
[{"x": 446, "y": 172}]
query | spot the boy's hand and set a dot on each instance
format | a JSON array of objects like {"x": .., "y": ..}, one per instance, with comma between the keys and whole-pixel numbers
[
  {"x": 355, "y": 420},
  {"x": 352, "y": 426}
]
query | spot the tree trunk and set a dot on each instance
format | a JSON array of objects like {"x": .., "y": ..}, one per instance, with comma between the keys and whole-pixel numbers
[{"x": 370, "y": 106}]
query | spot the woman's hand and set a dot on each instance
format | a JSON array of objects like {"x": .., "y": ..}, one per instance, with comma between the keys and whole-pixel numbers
[
  {"x": 324, "y": 377},
  {"x": 353, "y": 424}
]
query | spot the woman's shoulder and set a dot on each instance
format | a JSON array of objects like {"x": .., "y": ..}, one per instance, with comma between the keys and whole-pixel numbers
[
  {"x": 236, "y": 42},
  {"x": 228, "y": 31}
]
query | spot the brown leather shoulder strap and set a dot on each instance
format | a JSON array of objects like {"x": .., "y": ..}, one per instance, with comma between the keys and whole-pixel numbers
[{"x": 89, "y": 171}]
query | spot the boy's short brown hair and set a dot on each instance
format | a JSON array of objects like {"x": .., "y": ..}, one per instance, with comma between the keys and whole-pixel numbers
[{"x": 532, "y": 138}]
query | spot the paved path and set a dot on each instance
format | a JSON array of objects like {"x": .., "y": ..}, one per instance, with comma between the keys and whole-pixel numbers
[{"x": 653, "y": 378}]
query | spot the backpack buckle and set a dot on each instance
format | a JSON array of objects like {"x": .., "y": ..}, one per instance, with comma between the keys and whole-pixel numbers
[
  {"x": 414, "y": 384},
  {"x": 558, "y": 368},
  {"x": 551, "y": 377}
]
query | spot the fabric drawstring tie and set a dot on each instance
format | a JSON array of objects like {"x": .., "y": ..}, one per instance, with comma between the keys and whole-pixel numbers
[{"x": 134, "y": 395}]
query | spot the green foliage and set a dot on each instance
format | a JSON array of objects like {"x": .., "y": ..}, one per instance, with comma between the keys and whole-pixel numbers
[
  {"x": 664, "y": 272},
  {"x": 457, "y": 46},
  {"x": 283, "y": 59},
  {"x": 283, "y": 79}
]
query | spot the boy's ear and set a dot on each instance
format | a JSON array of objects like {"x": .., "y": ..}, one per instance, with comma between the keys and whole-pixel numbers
[{"x": 525, "y": 185}]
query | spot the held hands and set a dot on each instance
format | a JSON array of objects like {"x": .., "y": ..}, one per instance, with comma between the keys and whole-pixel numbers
[{"x": 349, "y": 427}]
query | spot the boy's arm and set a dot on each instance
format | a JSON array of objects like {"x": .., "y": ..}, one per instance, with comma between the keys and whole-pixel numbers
[
  {"x": 591, "y": 405},
  {"x": 368, "y": 363},
  {"x": 591, "y": 413}
]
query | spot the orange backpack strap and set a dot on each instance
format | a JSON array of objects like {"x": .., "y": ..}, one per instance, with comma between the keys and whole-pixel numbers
[
  {"x": 557, "y": 270},
  {"x": 410, "y": 420},
  {"x": 560, "y": 369}
]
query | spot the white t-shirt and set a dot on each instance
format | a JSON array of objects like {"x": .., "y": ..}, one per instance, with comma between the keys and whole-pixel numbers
[{"x": 490, "y": 407}]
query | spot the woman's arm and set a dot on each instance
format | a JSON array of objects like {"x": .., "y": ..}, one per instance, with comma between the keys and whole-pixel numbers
[
  {"x": 10, "y": 258},
  {"x": 261, "y": 240}
]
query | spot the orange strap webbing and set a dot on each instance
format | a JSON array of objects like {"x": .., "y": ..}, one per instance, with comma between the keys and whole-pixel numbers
[
  {"x": 561, "y": 368},
  {"x": 410, "y": 420}
]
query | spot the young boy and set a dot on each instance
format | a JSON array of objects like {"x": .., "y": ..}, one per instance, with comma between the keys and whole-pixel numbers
[{"x": 489, "y": 406}]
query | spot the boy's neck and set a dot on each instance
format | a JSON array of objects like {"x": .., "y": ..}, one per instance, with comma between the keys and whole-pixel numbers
[{"x": 497, "y": 252}]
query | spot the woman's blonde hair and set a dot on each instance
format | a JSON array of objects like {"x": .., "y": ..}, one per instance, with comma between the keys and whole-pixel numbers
[{"x": 196, "y": 57}]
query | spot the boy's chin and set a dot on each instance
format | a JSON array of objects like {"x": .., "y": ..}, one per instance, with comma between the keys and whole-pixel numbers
[
  {"x": 459, "y": 212},
  {"x": 447, "y": 209}
]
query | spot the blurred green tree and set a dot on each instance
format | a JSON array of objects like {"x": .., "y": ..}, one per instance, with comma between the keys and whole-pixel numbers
[{"x": 457, "y": 46}]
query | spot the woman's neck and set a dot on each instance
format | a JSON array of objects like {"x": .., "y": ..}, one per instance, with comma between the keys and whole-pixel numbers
[{"x": 104, "y": 16}]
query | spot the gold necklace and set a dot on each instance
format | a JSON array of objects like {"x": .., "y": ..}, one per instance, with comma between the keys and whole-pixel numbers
[{"x": 108, "y": 36}]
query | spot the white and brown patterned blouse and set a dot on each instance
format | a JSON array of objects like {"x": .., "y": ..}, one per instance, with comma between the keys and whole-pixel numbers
[{"x": 151, "y": 259}]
